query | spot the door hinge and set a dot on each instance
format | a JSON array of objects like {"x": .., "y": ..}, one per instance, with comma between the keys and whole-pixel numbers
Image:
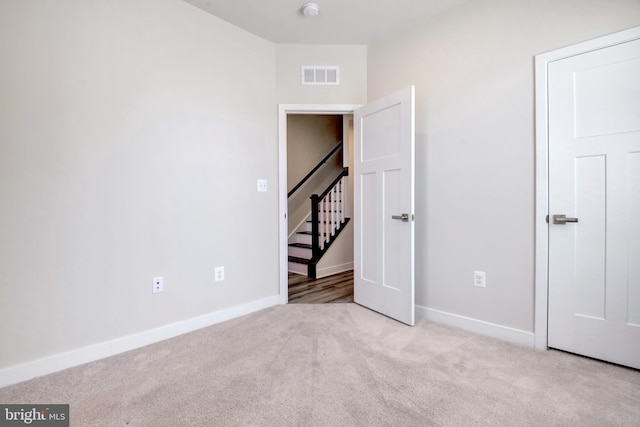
[{"x": 547, "y": 219}]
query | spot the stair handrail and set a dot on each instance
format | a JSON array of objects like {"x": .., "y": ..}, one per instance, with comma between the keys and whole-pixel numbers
[
  {"x": 345, "y": 172},
  {"x": 314, "y": 170}
]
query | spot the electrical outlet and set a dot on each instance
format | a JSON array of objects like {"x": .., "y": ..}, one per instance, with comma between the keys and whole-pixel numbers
[
  {"x": 157, "y": 285},
  {"x": 480, "y": 279},
  {"x": 219, "y": 274},
  {"x": 262, "y": 185}
]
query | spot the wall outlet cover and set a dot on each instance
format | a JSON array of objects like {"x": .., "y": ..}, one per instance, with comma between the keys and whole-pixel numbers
[
  {"x": 158, "y": 285},
  {"x": 219, "y": 274},
  {"x": 480, "y": 279}
]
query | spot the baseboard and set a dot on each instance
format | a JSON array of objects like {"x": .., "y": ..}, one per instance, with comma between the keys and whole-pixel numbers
[
  {"x": 58, "y": 362},
  {"x": 505, "y": 333},
  {"x": 334, "y": 269}
]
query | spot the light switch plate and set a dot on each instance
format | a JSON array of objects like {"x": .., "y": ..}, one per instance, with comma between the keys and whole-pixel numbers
[{"x": 262, "y": 185}]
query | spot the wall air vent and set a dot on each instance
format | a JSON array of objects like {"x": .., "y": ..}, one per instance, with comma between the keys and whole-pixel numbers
[{"x": 320, "y": 75}]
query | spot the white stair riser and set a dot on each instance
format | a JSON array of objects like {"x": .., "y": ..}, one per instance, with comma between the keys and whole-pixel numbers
[
  {"x": 297, "y": 268},
  {"x": 300, "y": 252},
  {"x": 303, "y": 238}
]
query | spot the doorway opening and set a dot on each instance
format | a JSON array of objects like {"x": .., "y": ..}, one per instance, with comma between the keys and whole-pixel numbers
[{"x": 290, "y": 218}]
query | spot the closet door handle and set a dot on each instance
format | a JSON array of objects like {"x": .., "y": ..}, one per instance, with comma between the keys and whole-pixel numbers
[
  {"x": 562, "y": 219},
  {"x": 404, "y": 217}
]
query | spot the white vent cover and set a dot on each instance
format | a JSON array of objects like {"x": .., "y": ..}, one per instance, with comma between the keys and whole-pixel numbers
[{"x": 320, "y": 75}]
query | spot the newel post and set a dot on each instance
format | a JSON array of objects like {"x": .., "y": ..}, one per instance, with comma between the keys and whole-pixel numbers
[{"x": 315, "y": 222}]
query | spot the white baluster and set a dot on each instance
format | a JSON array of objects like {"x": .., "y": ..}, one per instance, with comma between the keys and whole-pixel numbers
[
  {"x": 341, "y": 202},
  {"x": 332, "y": 226},
  {"x": 345, "y": 192},
  {"x": 334, "y": 209},
  {"x": 327, "y": 225},
  {"x": 336, "y": 192}
]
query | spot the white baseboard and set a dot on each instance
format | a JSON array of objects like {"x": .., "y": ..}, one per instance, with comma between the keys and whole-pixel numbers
[
  {"x": 514, "y": 336},
  {"x": 58, "y": 362},
  {"x": 334, "y": 269}
]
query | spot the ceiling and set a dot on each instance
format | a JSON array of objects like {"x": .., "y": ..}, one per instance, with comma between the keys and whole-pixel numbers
[{"x": 339, "y": 21}]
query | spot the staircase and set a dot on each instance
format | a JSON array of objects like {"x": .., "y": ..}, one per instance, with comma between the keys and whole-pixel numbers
[
  {"x": 327, "y": 219},
  {"x": 301, "y": 248}
]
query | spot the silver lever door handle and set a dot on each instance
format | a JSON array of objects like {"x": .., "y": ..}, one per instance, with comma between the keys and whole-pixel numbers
[
  {"x": 562, "y": 219},
  {"x": 403, "y": 217}
]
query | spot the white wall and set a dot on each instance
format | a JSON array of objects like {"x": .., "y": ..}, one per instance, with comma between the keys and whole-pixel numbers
[
  {"x": 351, "y": 59},
  {"x": 473, "y": 71},
  {"x": 131, "y": 138}
]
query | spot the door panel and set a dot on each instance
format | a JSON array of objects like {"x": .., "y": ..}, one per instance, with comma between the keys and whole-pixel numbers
[
  {"x": 368, "y": 226},
  {"x": 392, "y": 244},
  {"x": 594, "y": 140},
  {"x": 382, "y": 131},
  {"x": 590, "y": 237},
  {"x": 606, "y": 98},
  {"x": 384, "y": 179},
  {"x": 633, "y": 282}
]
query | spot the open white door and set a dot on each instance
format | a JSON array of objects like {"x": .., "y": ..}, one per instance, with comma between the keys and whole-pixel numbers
[{"x": 384, "y": 206}]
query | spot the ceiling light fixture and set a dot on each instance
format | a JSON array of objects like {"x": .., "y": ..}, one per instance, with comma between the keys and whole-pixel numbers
[{"x": 310, "y": 9}]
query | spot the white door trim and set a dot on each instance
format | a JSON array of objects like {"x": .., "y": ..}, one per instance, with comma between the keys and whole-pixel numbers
[
  {"x": 283, "y": 111},
  {"x": 542, "y": 171}
]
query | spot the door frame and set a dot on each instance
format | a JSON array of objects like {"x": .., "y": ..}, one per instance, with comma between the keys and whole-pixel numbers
[
  {"x": 283, "y": 111},
  {"x": 542, "y": 61}
]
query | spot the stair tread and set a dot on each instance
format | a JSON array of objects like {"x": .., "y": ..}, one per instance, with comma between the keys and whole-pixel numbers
[
  {"x": 301, "y": 245},
  {"x": 308, "y": 221},
  {"x": 345, "y": 220},
  {"x": 299, "y": 260},
  {"x": 308, "y": 233}
]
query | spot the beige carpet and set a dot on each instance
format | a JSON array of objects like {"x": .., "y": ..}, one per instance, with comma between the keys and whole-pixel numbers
[{"x": 338, "y": 365}]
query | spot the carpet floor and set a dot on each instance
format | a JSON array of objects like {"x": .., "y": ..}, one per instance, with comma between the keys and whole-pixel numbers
[{"x": 338, "y": 365}]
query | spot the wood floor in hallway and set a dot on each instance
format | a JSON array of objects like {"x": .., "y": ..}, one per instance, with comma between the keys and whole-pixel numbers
[{"x": 331, "y": 289}]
